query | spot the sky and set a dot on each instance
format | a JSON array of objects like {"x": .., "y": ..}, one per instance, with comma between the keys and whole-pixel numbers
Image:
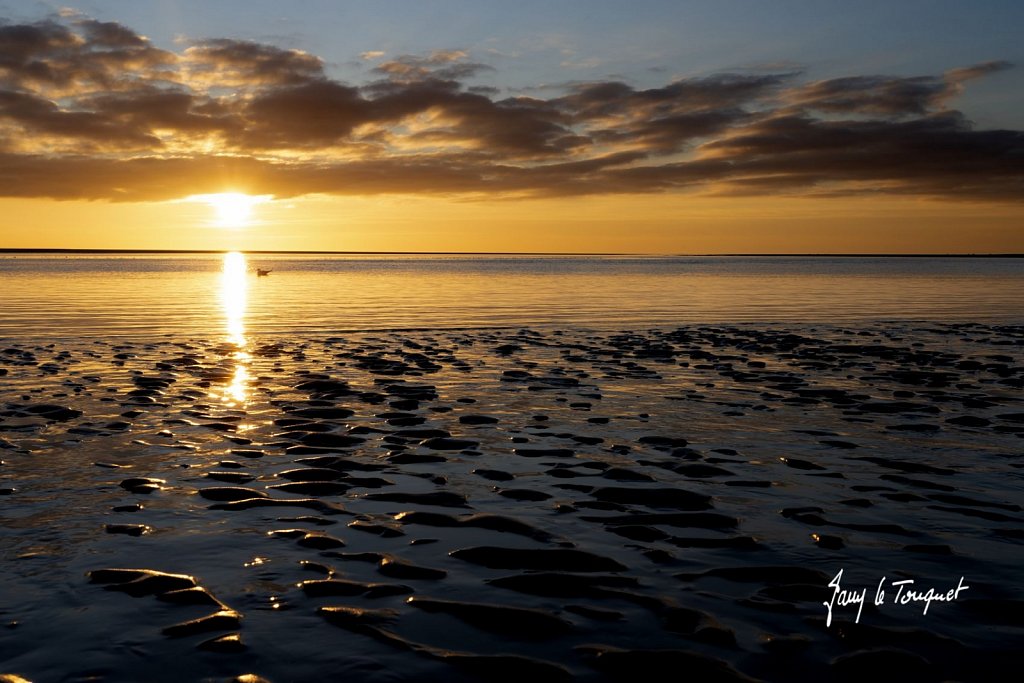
[{"x": 644, "y": 127}]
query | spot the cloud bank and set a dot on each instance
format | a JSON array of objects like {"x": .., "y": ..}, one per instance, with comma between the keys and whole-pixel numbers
[{"x": 93, "y": 110}]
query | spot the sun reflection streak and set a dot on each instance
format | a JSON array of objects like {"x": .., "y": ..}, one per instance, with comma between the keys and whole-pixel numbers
[
  {"x": 237, "y": 390},
  {"x": 234, "y": 296},
  {"x": 234, "y": 287}
]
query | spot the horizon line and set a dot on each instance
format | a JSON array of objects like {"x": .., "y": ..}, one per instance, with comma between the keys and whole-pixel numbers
[{"x": 58, "y": 250}]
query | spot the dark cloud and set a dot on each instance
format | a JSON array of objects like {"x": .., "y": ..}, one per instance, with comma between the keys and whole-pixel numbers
[
  {"x": 153, "y": 108},
  {"x": 440, "y": 64},
  {"x": 667, "y": 119},
  {"x": 888, "y": 96},
  {"x": 514, "y": 127},
  {"x": 937, "y": 155},
  {"x": 110, "y": 34},
  {"x": 38, "y": 116},
  {"x": 872, "y": 95},
  {"x": 317, "y": 113},
  {"x": 225, "y": 62},
  {"x": 977, "y": 71},
  {"x": 92, "y": 110},
  {"x": 21, "y": 44},
  {"x": 26, "y": 50},
  {"x": 724, "y": 91},
  {"x": 517, "y": 127},
  {"x": 48, "y": 55},
  {"x": 666, "y": 134}
]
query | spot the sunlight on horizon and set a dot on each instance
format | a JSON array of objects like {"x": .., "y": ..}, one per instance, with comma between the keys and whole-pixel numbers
[{"x": 232, "y": 209}]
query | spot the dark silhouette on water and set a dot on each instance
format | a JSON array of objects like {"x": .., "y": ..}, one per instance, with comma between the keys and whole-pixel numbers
[{"x": 262, "y": 273}]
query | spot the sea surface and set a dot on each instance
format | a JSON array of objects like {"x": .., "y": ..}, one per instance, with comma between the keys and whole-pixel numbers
[
  {"x": 60, "y": 295},
  {"x": 427, "y": 468}
]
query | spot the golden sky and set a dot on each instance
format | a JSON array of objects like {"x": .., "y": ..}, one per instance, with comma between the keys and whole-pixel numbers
[
  {"x": 108, "y": 140},
  {"x": 618, "y": 224}
]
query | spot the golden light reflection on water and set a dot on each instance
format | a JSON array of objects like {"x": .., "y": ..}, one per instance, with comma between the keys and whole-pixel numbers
[
  {"x": 233, "y": 296},
  {"x": 234, "y": 285},
  {"x": 237, "y": 391}
]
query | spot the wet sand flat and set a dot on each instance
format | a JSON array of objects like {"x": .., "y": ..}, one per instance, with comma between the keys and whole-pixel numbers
[{"x": 562, "y": 504}]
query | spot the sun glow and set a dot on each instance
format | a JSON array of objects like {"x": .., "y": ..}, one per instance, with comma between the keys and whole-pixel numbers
[{"x": 232, "y": 209}]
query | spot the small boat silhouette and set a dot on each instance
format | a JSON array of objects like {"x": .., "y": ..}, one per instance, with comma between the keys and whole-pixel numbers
[{"x": 262, "y": 273}]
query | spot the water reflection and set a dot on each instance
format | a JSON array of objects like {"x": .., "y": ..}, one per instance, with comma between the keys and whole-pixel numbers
[
  {"x": 233, "y": 296},
  {"x": 237, "y": 391},
  {"x": 234, "y": 287},
  {"x": 140, "y": 294}
]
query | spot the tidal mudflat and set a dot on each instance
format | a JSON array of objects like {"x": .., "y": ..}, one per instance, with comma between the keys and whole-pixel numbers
[{"x": 483, "y": 504}]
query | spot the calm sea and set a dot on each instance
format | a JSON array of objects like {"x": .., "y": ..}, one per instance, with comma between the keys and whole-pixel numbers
[{"x": 52, "y": 296}]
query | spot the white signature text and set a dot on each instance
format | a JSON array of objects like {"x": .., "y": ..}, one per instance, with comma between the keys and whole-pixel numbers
[{"x": 906, "y": 592}]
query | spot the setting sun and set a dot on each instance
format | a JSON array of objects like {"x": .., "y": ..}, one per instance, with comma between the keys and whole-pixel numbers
[{"x": 233, "y": 209}]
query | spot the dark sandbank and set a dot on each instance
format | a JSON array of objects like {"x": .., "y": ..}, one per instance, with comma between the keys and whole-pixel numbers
[{"x": 500, "y": 504}]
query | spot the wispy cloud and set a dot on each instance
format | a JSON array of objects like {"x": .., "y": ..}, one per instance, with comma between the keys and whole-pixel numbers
[{"x": 92, "y": 109}]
